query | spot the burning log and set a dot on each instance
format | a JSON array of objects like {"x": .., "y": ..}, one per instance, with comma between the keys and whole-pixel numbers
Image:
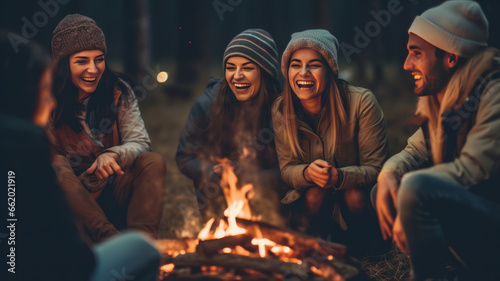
[
  {"x": 242, "y": 262},
  {"x": 213, "y": 246},
  {"x": 303, "y": 245}
]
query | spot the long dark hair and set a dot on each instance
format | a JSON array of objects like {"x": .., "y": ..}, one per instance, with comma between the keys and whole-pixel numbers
[
  {"x": 101, "y": 103},
  {"x": 229, "y": 118}
]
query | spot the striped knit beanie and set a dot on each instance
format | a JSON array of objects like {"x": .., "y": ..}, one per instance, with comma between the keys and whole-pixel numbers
[
  {"x": 256, "y": 45},
  {"x": 320, "y": 40},
  {"x": 76, "y": 33},
  {"x": 457, "y": 27}
]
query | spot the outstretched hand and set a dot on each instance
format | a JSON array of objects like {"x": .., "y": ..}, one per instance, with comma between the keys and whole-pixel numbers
[
  {"x": 105, "y": 165},
  {"x": 321, "y": 173},
  {"x": 386, "y": 202}
]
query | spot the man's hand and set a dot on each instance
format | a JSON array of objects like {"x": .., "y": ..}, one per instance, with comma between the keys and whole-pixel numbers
[
  {"x": 399, "y": 236},
  {"x": 386, "y": 202},
  {"x": 105, "y": 165},
  {"x": 321, "y": 173}
]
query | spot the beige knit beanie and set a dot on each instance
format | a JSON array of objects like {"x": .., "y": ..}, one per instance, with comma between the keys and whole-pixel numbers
[
  {"x": 76, "y": 33},
  {"x": 457, "y": 27},
  {"x": 320, "y": 40}
]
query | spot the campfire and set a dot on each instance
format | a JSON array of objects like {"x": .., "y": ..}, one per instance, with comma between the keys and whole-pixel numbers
[{"x": 240, "y": 247}]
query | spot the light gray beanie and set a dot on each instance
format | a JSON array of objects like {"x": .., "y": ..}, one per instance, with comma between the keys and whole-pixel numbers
[
  {"x": 319, "y": 40},
  {"x": 76, "y": 33},
  {"x": 457, "y": 27}
]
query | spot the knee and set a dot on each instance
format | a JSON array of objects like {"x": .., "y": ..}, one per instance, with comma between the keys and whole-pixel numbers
[
  {"x": 412, "y": 191},
  {"x": 151, "y": 159},
  {"x": 314, "y": 200}
]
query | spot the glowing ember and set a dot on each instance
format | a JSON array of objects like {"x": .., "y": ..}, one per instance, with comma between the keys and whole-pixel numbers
[
  {"x": 226, "y": 250},
  {"x": 169, "y": 267},
  {"x": 330, "y": 257}
]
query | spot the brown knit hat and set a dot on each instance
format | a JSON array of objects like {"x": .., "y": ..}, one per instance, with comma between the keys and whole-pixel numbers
[{"x": 76, "y": 33}]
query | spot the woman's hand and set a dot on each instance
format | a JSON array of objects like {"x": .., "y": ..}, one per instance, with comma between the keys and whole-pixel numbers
[
  {"x": 105, "y": 165},
  {"x": 321, "y": 173}
]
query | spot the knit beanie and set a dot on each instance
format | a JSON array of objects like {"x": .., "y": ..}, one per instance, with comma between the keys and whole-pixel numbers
[
  {"x": 319, "y": 40},
  {"x": 457, "y": 27},
  {"x": 256, "y": 45},
  {"x": 76, "y": 33}
]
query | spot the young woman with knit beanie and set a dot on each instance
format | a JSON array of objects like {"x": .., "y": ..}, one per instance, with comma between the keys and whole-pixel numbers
[
  {"x": 331, "y": 143},
  {"x": 103, "y": 159},
  {"x": 232, "y": 120},
  {"x": 48, "y": 245}
]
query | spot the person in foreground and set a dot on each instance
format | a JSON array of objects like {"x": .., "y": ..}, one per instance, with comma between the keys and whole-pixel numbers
[
  {"x": 232, "y": 120},
  {"x": 439, "y": 198},
  {"x": 47, "y": 245},
  {"x": 331, "y": 143},
  {"x": 103, "y": 159}
]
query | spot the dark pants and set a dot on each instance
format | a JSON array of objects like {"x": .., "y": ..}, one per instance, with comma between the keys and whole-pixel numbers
[
  {"x": 362, "y": 236},
  {"x": 445, "y": 222},
  {"x": 134, "y": 200}
]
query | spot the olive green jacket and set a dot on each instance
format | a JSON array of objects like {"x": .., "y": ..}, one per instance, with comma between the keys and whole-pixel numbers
[
  {"x": 476, "y": 164},
  {"x": 359, "y": 157}
]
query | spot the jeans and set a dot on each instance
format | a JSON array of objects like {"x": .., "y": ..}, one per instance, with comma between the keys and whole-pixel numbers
[
  {"x": 126, "y": 257},
  {"x": 445, "y": 222}
]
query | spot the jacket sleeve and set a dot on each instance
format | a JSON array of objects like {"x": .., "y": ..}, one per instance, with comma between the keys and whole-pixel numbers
[
  {"x": 192, "y": 140},
  {"x": 292, "y": 169},
  {"x": 480, "y": 156},
  {"x": 134, "y": 137},
  {"x": 413, "y": 157},
  {"x": 372, "y": 144}
]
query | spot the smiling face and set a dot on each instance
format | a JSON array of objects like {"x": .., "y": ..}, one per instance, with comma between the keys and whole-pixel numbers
[
  {"x": 307, "y": 75},
  {"x": 86, "y": 68},
  {"x": 429, "y": 71},
  {"x": 243, "y": 77}
]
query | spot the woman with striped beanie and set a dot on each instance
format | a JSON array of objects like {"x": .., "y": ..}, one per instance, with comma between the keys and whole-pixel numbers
[{"x": 232, "y": 120}]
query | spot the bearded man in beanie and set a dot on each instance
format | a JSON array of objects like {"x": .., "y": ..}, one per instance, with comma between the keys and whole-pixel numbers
[{"x": 439, "y": 199}]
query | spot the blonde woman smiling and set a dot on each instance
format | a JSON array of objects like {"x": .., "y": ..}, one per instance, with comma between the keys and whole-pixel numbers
[{"x": 331, "y": 143}]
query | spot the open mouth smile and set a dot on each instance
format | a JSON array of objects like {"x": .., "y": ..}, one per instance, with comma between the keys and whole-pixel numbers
[
  {"x": 89, "y": 79},
  {"x": 305, "y": 84},
  {"x": 242, "y": 86}
]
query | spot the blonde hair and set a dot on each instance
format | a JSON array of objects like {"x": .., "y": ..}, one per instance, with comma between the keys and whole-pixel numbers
[
  {"x": 457, "y": 90},
  {"x": 335, "y": 100}
]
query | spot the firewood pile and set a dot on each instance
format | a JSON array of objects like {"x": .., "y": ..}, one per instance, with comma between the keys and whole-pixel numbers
[{"x": 263, "y": 252}]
